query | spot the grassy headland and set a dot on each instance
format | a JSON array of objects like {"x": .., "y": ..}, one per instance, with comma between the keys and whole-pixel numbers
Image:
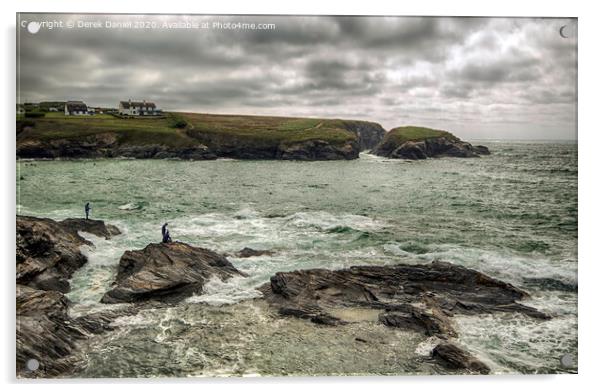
[{"x": 225, "y": 134}]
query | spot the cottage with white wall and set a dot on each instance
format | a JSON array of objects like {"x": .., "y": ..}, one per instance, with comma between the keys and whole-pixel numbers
[
  {"x": 134, "y": 108},
  {"x": 75, "y": 108}
]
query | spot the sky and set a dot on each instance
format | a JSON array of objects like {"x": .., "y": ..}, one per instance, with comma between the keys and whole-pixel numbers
[{"x": 480, "y": 78}]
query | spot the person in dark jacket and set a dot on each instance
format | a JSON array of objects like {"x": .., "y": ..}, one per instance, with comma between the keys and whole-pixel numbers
[
  {"x": 87, "y": 208},
  {"x": 165, "y": 233}
]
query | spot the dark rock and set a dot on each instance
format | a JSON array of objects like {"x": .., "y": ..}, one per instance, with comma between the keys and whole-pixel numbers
[
  {"x": 167, "y": 272},
  {"x": 158, "y": 151},
  {"x": 453, "y": 357},
  {"x": 104, "y": 145},
  {"x": 47, "y": 333},
  {"x": 431, "y": 322},
  {"x": 481, "y": 150},
  {"x": 249, "y": 252},
  {"x": 92, "y": 226},
  {"x": 550, "y": 284},
  {"x": 430, "y": 148},
  {"x": 43, "y": 331},
  {"x": 314, "y": 314},
  {"x": 410, "y": 150},
  {"x": 48, "y": 252},
  {"x": 419, "y": 297},
  {"x": 316, "y": 150}
]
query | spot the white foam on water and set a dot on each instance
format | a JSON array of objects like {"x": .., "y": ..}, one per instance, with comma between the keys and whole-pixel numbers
[
  {"x": 90, "y": 282},
  {"x": 425, "y": 347},
  {"x": 247, "y": 228},
  {"x": 511, "y": 343},
  {"x": 503, "y": 265},
  {"x": 131, "y": 206},
  {"x": 217, "y": 292},
  {"x": 372, "y": 158},
  {"x": 326, "y": 221}
]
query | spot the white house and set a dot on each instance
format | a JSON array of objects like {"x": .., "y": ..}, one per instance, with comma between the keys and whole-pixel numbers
[
  {"x": 75, "y": 108},
  {"x": 133, "y": 108}
]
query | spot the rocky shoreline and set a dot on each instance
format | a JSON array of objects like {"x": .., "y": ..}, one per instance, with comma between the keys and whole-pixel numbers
[
  {"x": 106, "y": 146},
  {"x": 421, "y": 298}
]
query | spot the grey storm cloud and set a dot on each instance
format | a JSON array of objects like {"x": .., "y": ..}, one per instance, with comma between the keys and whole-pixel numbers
[{"x": 478, "y": 77}]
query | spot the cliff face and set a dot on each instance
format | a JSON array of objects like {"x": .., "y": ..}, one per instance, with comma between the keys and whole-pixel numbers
[
  {"x": 423, "y": 143},
  {"x": 106, "y": 145},
  {"x": 240, "y": 147},
  {"x": 369, "y": 134}
]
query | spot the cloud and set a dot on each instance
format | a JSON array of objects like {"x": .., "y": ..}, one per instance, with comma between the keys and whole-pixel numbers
[{"x": 478, "y": 77}]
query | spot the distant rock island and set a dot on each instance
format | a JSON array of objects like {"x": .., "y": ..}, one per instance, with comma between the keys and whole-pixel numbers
[{"x": 421, "y": 143}]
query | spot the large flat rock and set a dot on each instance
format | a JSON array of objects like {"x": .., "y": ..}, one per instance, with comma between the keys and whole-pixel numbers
[
  {"x": 166, "y": 272},
  {"x": 420, "y": 297}
]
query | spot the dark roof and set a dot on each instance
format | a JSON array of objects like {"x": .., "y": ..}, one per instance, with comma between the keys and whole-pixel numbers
[
  {"x": 76, "y": 106},
  {"x": 148, "y": 105}
]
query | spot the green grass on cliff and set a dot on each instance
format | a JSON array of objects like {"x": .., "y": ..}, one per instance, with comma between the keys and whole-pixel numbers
[
  {"x": 269, "y": 129},
  {"x": 411, "y": 133},
  {"x": 135, "y": 131},
  {"x": 144, "y": 131}
]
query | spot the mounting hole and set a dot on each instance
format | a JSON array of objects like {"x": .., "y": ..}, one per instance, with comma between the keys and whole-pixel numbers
[
  {"x": 32, "y": 364},
  {"x": 567, "y": 361}
]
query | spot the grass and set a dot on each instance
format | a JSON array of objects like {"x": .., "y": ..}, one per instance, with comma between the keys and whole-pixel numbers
[
  {"x": 198, "y": 128},
  {"x": 411, "y": 133},
  {"x": 272, "y": 129},
  {"x": 132, "y": 131}
]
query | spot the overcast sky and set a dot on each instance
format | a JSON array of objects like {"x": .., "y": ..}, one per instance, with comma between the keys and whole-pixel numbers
[{"x": 481, "y": 78}]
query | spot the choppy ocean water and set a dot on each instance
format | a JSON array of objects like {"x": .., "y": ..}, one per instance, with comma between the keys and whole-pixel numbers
[{"x": 512, "y": 215}]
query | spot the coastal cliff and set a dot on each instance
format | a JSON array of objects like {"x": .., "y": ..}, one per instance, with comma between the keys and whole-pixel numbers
[
  {"x": 194, "y": 136},
  {"x": 421, "y": 143}
]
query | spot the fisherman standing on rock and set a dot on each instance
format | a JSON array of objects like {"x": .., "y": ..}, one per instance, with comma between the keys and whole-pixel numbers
[
  {"x": 165, "y": 234},
  {"x": 87, "y": 208}
]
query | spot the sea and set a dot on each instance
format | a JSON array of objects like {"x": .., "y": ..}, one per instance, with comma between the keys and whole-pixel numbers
[{"x": 511, "y": 215}]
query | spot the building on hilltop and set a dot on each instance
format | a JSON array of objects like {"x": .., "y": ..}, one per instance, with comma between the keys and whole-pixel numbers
[
  {"x": 76, "y": 108},
  {"x": 133, "y": 108}
]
